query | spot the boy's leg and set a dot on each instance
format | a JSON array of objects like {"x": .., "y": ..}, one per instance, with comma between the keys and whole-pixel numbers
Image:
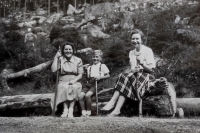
[
  {"x": 89, "y": 101},
  {"x": 81, "y": 100},
  {"x": 82, "y": 103}
]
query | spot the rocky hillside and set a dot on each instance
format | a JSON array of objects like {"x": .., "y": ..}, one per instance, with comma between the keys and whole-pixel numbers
[{"x": 172, "y": 32}]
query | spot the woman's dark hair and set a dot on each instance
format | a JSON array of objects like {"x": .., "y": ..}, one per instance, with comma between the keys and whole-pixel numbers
[
  {"x": 70, "y": 44},
  {"x": 138, "y": 31}
]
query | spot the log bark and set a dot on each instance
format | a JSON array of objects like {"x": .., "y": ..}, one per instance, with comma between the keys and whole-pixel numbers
[
  {"x": 190, "y": 106},
  {"x": 25, "y": 101},
  {"x": 41, "y": 103},
  {"x": 25, "y": 72},
  {"x": 156, "y": 104}
]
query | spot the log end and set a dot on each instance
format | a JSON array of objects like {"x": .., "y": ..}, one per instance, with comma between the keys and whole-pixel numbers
[{"x": 180, "y": 112}]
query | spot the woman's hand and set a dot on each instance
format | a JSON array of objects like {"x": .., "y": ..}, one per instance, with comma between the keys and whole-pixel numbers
[
  {"x": 72, "y": 82},
  {"x": 58, "y": 54},
  {"x": 137, "y": 68},
  {"x": 140, "y": 61}
]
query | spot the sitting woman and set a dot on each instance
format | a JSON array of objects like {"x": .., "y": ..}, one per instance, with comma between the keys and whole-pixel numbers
[
  {"x": 71, "y": 70},
  {"x": 142, "y": 63}
]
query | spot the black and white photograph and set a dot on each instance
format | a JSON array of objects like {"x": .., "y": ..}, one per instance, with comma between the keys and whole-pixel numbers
[{"x": 99, "y": 66}]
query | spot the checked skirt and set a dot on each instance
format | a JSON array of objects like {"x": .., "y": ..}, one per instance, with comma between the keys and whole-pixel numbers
[{"x": 126, "y": 84}]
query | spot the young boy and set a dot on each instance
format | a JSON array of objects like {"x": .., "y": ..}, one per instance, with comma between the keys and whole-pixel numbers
[{"x": 95, "y": 72}]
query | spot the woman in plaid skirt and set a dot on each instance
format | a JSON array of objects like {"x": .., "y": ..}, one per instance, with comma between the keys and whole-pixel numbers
[{"x": 142, "y": 64}]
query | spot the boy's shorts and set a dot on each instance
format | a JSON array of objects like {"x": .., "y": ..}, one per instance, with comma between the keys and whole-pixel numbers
[{"x": 90, "y": 86}]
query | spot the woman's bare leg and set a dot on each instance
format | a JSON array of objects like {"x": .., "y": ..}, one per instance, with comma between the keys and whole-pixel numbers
[
  {"x": 71, "y": 109},
  {"x": 112, "y": 101},
  {"x": 65, "y": 110},
  {"x": 119, "y": 105}
]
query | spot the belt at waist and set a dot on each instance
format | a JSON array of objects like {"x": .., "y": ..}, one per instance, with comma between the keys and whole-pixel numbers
[{"x": 69, "y": 73}]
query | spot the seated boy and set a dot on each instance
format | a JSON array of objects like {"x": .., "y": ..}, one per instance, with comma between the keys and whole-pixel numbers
[{"x": 95, "y": 72}]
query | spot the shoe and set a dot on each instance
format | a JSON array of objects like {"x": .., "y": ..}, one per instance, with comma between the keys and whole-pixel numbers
[
  {"x": 70, "y": 114},
  {"x": 84, "y": 113},
  {"x": 88, "y": 113},
  {"x": 65, "y": 113},
  {"x": 107, "y": 107},
  {"x": 113, "y": 114}
]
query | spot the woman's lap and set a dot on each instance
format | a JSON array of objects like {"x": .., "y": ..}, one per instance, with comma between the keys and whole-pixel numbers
[
  {"x": 64, "y": 93},
  {"x": 126, "y": 82}
]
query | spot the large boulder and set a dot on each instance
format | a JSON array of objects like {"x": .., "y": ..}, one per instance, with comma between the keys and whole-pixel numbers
[
  {"x": 37, "y": 29},
  {"x": 95, "y": 31},
  {"x": 73, "y": 25},
  {"x": 99, "y": 9},
  {"x": 43, "y": 36},
  {"x": 29, "y": 24},
  {"x": 126, "y": 21},
  {"x": 66, "y": 20},
  {"x": 40, "y": 19},
  {"x": 55, "y": 17},
  {"x": 30, "y": 37},
  {"x": 72, "y": 10},
  {"x": 41, "y": 12},
  {"x": 91, "y": 19}
]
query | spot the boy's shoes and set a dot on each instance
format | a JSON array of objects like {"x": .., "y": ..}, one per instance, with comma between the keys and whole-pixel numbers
[
  {"x": 84, "y": 113},
  {"x": 70, "y": 114},
  {"x": 65, "y": 113},
  {"x": 88, "y": 113}
]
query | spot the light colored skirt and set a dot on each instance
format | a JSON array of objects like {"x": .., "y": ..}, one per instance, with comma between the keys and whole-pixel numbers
[{"x": 65, "y": 91}]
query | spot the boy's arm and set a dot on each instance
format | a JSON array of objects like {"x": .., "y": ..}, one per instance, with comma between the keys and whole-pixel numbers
[{"x": 107, "y": 75}]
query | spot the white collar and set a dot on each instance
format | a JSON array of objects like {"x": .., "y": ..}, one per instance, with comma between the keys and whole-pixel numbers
[{"x": 140, "y": 52}]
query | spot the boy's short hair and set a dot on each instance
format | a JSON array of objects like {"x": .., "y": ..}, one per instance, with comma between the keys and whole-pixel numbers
[{"x": 98, "y": 53}]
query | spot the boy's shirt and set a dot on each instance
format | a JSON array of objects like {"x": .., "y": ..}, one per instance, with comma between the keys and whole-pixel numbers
[{"x": 96, "y": 70}]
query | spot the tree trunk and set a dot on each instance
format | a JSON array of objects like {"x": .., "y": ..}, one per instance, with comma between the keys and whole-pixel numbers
[
  {"x": 25, "y": 72},
  {"x": 57, "y": 6},
  {"x": 156, "y": 104},
  {"x": 19, "y": 4},
  {"x": 190, "y": 106},
  {"x": 49, "y": 4},
  {"x": 25, "y": 10}
]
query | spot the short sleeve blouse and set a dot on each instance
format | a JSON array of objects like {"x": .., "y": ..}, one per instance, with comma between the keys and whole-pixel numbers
[{"x": 73, "y": 65}]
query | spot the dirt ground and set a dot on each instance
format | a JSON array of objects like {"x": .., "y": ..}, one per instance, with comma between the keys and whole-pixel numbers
[{"x": 97, "y": 125}]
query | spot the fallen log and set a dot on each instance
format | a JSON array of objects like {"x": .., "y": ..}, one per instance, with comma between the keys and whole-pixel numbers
[
  {"x": 25, "y": 72},
  {"x": 41, "y": 102},
  {"x": 190, "y": 106}
]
